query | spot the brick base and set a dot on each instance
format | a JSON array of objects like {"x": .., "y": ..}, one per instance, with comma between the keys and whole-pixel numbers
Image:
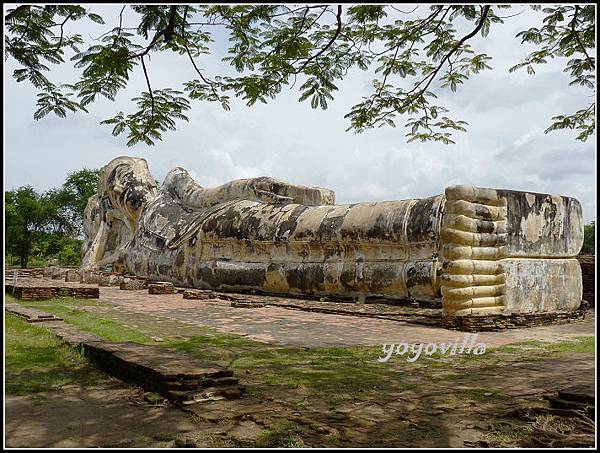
[
  {"x": 161, "y": 288},
  {"x": 511, "y": 321}
]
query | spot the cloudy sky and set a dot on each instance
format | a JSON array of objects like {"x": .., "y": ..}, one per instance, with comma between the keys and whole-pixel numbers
[{"x": 504, "y": 147}]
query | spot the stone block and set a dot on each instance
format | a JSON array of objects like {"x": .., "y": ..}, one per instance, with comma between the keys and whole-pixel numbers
[
  {"x": 48, "y": 271},
  {"x": 58, "y": 273},
  {"x": 197, "y": 294},
  {"x": 161, "y": 288},
  {"x": 110, "y": 280},
  {"x": 90, "y": 277},
  {"x": 129, "y": 283},
  {"x": 237, "y": 304},
  {"x": 73, "y": 275}
]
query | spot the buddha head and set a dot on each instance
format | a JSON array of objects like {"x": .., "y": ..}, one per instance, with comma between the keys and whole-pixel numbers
[{"x": 126, "y": 185}]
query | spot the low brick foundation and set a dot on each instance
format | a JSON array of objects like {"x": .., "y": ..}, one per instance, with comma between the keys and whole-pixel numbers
[
  {"x": 29, "y": 314},
  {"x": 198, "y": 294},
  {"x": 422, "y": 316},
  {"x": 511, "y": 321},
  {"x": 45, "y": 293},
  {"x": 161, "y": 288},
  {"x": 179, "y": 377},
  {"x": 28, "y": 293},
  {"x": 36, "y": 272},
  {"x": 432, "y": 317},
  {"x": 44, "y": 289}
]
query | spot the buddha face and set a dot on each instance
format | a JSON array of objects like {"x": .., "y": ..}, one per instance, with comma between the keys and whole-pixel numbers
[{"x": 126, "y": 186}]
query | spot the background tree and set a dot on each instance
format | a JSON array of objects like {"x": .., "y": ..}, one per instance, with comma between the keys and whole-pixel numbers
[
  {"x": 414, "y": 54},
  {"x": 29, "y": 216},
  {"x": 75, "y": 193},
  {"x": 589, "y": 239}
]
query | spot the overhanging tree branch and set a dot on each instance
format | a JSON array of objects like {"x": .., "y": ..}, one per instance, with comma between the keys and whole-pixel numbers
[
  {"x": 464, "y": 39},
  {"x": 16, "y": 12},
  {"x": 150, "y": 92},
  {"x": 576, "y": 34}
]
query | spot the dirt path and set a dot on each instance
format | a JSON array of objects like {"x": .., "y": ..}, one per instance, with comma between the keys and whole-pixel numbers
[
  {"x": 440, "y": 407},
  {"x": 105, "y": 415}
]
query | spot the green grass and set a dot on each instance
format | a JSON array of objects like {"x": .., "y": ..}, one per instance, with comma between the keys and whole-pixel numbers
[
  {"x": 69, "y": 309},
  {"x": 576, "y": 345},
  {"x": 335, "y": 374},
  {"x": 37, "y": 361},
  {"x": 531, "y": 350},
  {"x": 330, "y": 370},
  {"x": 286, "y": 435}
]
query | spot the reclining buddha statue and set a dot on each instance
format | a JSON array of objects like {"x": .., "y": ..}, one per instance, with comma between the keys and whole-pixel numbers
[{"x": 478, "y": 251}]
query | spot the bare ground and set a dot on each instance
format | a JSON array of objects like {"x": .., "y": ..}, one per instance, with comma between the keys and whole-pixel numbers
[{"x": 439, "y": 408}]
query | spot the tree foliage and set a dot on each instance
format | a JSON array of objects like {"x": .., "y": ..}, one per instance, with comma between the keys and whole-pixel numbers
[
  {"x": 589, "y": 239},
  {"x": 47, "y": 224},
  {"x": 29, "y": 216},
  {"x": 415, "y": 55},
  {"x": 75, "y": 193}
]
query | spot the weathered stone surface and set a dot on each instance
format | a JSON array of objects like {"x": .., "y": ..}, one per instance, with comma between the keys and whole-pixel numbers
[
  {"x": 559, "y": 282},
  {"x": 107, "y": 279},
  {"x": 58, "y": 273},
  {"x": 43, "y": 289},
  {"x": 197, "y": 294},
  {"x": 247, "y": 304},
  {"x": 578, "y": 392},
  {"x": 478, "y": 251},
  {"x": 505, "y": 251},
  {"x": 577, "y": 397},
  {"x": 48, "y": 271},
  {"x": 161, "y": 288},
  {"x": 88, "y": 276},
  {"x": 30, "y": 314},
  {"x": 73, "y": 275},
  {"x": 134, "y": 283}
]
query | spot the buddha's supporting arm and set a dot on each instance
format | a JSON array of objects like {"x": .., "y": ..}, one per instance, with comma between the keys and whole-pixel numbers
[
  {"x": 96, "y": 250},
  {"x": 94, "y": 257},
  {"x": 183, "y": 187}
]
